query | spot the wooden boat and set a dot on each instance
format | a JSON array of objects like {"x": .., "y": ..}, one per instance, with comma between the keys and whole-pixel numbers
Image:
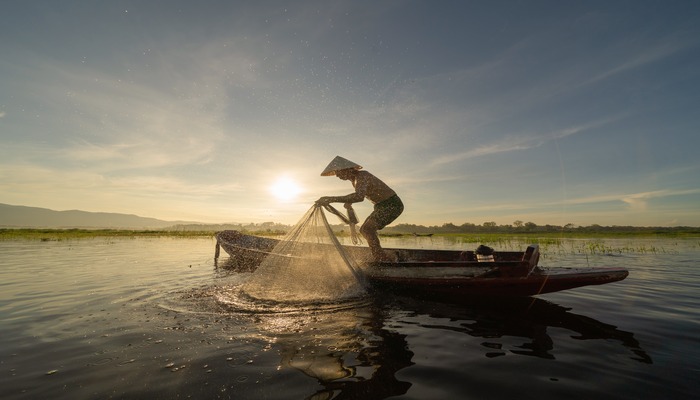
[{"x": 441, "y": 273}]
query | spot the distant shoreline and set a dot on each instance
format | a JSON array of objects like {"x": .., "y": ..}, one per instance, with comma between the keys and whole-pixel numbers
[{"x": 68, "y": 234}]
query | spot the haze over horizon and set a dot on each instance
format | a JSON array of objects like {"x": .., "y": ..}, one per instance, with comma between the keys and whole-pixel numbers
[{"x": 543, "y": 111}]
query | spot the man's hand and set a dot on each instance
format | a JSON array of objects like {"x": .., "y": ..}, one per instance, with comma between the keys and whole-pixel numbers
[{"x": 323, "y": 201}]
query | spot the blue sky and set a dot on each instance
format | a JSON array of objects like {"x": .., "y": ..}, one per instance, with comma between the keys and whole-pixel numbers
[{"x": 550, "y": 112}]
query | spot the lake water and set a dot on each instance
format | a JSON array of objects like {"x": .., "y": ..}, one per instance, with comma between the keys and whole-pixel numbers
[{"x": 154, "y": 318}]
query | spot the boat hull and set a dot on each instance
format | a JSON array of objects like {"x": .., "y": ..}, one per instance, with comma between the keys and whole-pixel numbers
[{"x": 540, "y": 281}]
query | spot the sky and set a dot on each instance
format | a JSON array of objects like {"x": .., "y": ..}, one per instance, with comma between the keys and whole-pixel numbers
[{"x": 551, "y": 112}]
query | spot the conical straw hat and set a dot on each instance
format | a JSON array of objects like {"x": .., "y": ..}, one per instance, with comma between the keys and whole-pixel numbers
[{"x": 339, "y": 163}]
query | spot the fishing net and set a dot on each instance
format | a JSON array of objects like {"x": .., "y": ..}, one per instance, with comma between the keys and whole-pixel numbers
[
  {"x": 308, "y": 264},
  {"x": 350, "y": 220}
]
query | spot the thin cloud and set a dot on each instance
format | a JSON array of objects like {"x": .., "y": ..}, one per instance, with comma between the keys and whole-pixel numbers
[
  {"x": 519, "y": 143},
  {"x": 649, "y": 55},
  {"x": 505, "y": 145},
  {"x": 126, "y": 124},
  {"x": 639, "y": 201},
  {"x": 635, "y": 200}
]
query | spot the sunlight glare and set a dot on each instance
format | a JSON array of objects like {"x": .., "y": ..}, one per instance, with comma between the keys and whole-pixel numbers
[{"x": 285, "y": 189}]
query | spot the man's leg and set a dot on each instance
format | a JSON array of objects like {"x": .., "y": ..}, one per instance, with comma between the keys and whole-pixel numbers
[{"x": 369, "y": 231}]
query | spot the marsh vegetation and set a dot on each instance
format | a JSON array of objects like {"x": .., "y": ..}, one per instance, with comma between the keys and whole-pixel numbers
[{"x": 562, "y": 242}]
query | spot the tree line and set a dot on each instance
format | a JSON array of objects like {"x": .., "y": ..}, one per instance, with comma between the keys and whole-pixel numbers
[
  {"x": 531, "y": 227},
  {"x": 447, "y": 228}
]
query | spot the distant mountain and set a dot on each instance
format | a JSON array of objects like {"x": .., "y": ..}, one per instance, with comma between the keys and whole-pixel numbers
[{"x": 34, "y": 217}]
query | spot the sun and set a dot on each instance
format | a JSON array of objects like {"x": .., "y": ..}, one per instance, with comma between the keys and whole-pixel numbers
[{"x": 285, "y": 189}]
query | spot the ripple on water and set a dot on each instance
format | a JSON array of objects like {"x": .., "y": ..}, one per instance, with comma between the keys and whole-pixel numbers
[
  {"x": 232, "y": 300},
  {"x": 237, "y": 300}
]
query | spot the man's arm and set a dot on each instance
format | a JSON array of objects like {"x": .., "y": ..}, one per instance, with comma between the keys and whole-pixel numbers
[{"x": 349, "y": 198}]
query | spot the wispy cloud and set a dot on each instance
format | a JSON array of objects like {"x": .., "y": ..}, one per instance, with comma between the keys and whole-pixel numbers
[
  {"x": 647, "y": 55},
  {"x": 108, "y": 120},
  {"x": 636, "y": 201},
  {"x": 37, "y": 179},
  {"x": 639, "y": 201},
  {"x": 511, "y": 143},
  {"x": 503, "y": 146},
  {"x": 523, "y": 142}
]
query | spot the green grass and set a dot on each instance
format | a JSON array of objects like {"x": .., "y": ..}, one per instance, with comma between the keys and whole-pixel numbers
[
  {"x": 73, "y": 234},
  {"x": 70, "y": 234},
  {"x": 564, "y": 243},
  {"x": 551, "y": 243}
]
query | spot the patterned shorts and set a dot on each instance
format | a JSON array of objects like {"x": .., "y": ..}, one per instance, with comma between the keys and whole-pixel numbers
[{"x": 387, "y": 211}]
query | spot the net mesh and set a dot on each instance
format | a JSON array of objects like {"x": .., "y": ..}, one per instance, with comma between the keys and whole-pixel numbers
[
  {"x": 351, "y": 220},
  {"x": 308, "y": 264}
]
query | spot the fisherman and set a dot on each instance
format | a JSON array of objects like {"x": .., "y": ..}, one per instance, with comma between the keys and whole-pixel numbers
[{"x": 387, "y": 204}]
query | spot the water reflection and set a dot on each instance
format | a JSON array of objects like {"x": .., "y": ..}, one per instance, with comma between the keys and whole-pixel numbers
[
  {"x": 344, "y": 347},
  {"x": 358, "y": 362},
  {"x": 356, "y": 351},
  {"x": 528, "y": 318}
]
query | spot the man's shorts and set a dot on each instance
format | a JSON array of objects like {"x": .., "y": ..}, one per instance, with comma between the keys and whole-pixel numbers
[{"x": 387, "y": 211}]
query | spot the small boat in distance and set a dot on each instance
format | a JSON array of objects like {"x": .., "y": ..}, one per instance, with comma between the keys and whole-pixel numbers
[{"x": 440, "y": 273}]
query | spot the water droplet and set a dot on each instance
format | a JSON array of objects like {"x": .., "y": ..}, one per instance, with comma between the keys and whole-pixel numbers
[{"x": 101, "y": 361}]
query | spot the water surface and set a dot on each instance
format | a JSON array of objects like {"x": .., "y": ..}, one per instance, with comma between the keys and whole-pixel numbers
[{"x": 155, "y": 318}]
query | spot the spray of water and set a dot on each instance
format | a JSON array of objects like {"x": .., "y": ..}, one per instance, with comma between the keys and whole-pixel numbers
[{"x": 309, "y": 264}]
